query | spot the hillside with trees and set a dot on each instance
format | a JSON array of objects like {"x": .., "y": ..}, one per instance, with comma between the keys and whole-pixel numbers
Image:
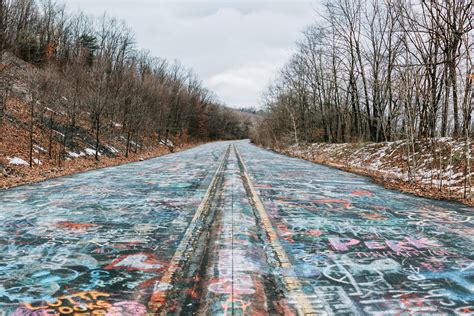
[
  {"x": 73, "y": 86},
  {"x": 380, "y": 71}
]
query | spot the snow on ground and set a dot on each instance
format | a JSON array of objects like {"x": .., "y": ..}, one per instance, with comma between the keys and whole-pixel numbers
[
  {"x": 16, "y": 161},
  {"x": 51, "y": 110},
  {"x": 113, "y": 149},
  {"x": 167, "y": 142},
  {"x": 134, "y": 144},
  {"x": 91, "y": 152},
  {"x": 20, "y": 162},
  {"x": 76, "y": 155},
  {"x": 59, "y": 133},
  {"x": 39, "y": 149},
  {"x": 437, "y": 163}
]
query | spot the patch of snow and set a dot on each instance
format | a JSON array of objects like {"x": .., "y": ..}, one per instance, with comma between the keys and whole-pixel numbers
[
  {"x": 39, "y": 148},
  {"x": 113, "y": 149},
  {"x": 166, "y": 142},
  {"x": 51, "y": 110},
  {"x": 73, "y": 154},
  {"x": 91, "y": 152},
  {"x": 59, "y": 133},
  {"x": 134, "y": 144},
  {"x": 443, "y": 139},
  {"x": 16, "y": 161},
  {"x": 37, "y": 161},
  {"x": 458, "y": 175}
]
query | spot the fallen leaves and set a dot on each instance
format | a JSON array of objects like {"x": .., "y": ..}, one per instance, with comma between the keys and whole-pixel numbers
[{"x": 378, "y": 161}]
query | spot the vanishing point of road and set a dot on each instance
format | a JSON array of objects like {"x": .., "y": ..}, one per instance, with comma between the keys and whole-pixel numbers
[{"x": 228, "y": 228}]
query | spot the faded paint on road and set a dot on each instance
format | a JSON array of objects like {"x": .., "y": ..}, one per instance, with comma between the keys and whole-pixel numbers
[{"x": 280, "y": 236}]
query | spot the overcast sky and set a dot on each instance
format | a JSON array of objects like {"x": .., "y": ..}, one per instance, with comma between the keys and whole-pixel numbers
[{"x": 235, "y": 47}]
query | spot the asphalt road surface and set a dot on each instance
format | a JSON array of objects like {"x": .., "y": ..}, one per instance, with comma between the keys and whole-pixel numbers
[{"x": 231, "y": 229}]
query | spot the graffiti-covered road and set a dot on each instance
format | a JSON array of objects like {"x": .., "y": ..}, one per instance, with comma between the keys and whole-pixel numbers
[{"x": 231, "y": 229}]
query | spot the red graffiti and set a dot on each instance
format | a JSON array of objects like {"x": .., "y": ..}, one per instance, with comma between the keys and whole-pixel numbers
[
  {"x": 374, "y": 216},
  {"x": 138, "y": 261},
  {"x": 314, "y": 232},
  {"x": 75, "y": 226},
  {"x": 362, "y": 193},
  {"x": 344, "y": 203}
]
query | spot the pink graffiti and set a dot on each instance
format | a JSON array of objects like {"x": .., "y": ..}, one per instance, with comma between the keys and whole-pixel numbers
[
  {"x": 342, "y": 244},
  {"x": 139, "y": 261},
  {"x": 374, "y": 245},
  {"x": 397, "y": 246},
  {"x": 422, "y": 242},
  {"x": 434, "y": 267},
  {"x": 127, "y": 308},
  {"x": 23, "y": 311},
  {"x": 241, "y": 285}
]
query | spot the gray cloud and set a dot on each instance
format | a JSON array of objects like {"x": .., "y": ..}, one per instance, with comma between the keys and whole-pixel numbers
[{"x": 235, "y": 47}]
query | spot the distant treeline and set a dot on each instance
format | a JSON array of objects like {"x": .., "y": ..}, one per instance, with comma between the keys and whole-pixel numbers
[
  {"x": 373, "y": 70},
  {"x": 90, "y": 68}
]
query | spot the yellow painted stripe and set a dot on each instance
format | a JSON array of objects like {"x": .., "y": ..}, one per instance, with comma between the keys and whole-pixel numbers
[
  {"x": 162, "y": 288},
  {"x": 292, "y": 283}
]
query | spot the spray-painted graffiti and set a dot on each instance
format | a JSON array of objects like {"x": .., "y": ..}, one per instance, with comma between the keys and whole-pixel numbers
[
  {"x": 378, "y": 251},
  {"x": 94, "y": 243},
  {"x": 238, "y": 275},
  {"x": 286, "y": 237}
]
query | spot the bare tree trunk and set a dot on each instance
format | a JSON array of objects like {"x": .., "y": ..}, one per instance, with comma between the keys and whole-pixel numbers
[
  {"x": 31, "y": 130},
  {"x": 129, "y": 133},
  {"x": 51, "y": 129},
  {"x": 467, "y": 170},
  {"x": 97, "y": 133}
]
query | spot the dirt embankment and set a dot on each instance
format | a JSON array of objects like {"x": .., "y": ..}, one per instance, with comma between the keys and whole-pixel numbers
[
  {"x": 15, "y": 175},
  {"x": 51, "y": 159},
  {"x": 79, "y": 156},
  {"x": 438, "y": 169},
  {"x": 53, "y": 153}
]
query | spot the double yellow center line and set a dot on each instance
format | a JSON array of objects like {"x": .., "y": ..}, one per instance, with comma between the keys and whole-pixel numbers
[
  {"x": 293, "y": 286},
  {"x": 162, "y": 288},
  {"x": 291, "y": 283}
]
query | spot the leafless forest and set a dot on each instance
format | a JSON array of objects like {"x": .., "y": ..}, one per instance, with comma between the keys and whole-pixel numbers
[
  {"x": 89, "y": 69},
  {"x": 375, "y": 71}
]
